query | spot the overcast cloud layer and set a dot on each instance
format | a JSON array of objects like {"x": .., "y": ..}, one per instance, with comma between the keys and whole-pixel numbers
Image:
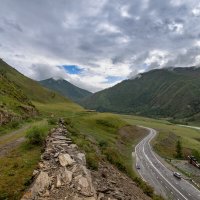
[{"x": 109, "y": 40}]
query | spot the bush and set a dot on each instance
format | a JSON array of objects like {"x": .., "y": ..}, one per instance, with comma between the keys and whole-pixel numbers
[
  {"x": 92, "y": 161},
  {"x": 103, "y": 144},
  {"x": 36, "y": 135},
  {"x": 52, "y": 121},
  {"x": 114, "y": 158},
  {"x": 14, "y": 124}
]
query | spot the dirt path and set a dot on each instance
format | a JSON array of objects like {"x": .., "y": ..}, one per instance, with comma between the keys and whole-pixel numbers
[{"x": 11, "y": 140}]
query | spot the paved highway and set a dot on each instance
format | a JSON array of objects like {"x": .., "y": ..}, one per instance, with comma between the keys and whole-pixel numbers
[{"x": 154, "y": 172}]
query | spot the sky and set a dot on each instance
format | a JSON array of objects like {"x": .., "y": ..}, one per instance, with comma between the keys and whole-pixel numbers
[{"x": 97, "y": 44}]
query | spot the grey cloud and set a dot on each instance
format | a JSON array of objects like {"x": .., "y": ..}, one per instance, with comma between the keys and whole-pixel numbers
[{"x": 88, "y": 32}]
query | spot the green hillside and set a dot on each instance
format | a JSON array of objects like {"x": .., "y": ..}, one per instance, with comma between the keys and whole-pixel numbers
[
  {"x": 31, "y": 88},
  {"x": 14, "y": 104},
  {"x": 66, "y": 89},
  {"x": 161, "y": 93},
  {"x": 19, "y": 94}
]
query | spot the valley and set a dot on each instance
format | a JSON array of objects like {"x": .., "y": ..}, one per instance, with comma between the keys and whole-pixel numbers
[{"x": 102, "y": 137}]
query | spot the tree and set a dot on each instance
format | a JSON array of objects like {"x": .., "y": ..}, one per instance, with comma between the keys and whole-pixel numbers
[{"x": 179, "y": 150}]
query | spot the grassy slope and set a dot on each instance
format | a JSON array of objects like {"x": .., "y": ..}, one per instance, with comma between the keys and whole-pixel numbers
[
  {"x": 30, "y": 88},
  {"x": 66, "y": 89},
  {"x": 17, "y": 167},
  {"x": 13, "y": 100},
  {"x": 165, "y": 142},
  {"x": 156, "y": 93}
]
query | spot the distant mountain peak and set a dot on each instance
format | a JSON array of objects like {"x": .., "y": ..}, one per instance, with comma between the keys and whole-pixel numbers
[
  {"x": 65, "y": 88},
  {"x": 57, "y": 78},
  {"x": 137, "y": 76}
]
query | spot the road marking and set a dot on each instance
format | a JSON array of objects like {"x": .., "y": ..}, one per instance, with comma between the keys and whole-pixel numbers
[
  {"x": 154, "y": 133},
  {"x": 163, "y": 176},
  {"x": 151, "y": 132}
]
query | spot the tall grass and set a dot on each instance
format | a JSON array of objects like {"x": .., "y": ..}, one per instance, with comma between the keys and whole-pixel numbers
[{"x": 37, "y": 134}]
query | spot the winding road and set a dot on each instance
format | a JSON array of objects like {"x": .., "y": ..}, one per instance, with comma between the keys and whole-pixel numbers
[{"x": 156, "y": 174}]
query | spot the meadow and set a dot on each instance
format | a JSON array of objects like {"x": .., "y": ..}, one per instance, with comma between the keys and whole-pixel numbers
[{"x": 168, "y": 134}]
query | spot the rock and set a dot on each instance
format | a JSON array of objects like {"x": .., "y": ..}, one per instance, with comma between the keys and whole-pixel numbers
[
  {"x": 41, "y": 165},
  {"x": 58, "y": 142},
  {"x": 46, "y": 194},
  {"x": 81, "y": 157},
  {"x": 86, "y": 186},
  {"x": 56, "y": 155},
  {"x": 83, "y": 182},
  {"x": 46, "y": 156},
  {"x": 89, "y": 198},
  {"x": 68, "y": 176},
  {"x": 41, "y": 184},
  {"x": 65, "y": 160},
  {"x": 58, "y": 182},
  {"x": 100, "y": 196},
  {"x": 65, "y": 175},
  {"x": 35, "y": 172},
  {"x": 60, "y": 137},
  {"x": 62, "y": 172},
  {"x": 74, "y": 146}
]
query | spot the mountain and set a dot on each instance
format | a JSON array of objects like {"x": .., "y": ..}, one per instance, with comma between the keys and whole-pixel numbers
[
  {"x": 66, "y": 89},
  {"x": 18, "y": 94},
  {"x": 169, "y": 92}
]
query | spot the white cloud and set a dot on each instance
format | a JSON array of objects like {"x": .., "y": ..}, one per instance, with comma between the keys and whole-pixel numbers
[
  {"x": 105, "y": 38},
  {"x": 196, "y": 10}
]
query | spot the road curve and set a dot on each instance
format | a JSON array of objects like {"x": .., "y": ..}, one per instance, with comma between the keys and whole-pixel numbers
[{"x": 156, "y": 174}]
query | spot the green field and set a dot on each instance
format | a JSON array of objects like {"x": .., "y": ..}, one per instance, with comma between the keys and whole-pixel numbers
[{"x": 168, "y": 134}]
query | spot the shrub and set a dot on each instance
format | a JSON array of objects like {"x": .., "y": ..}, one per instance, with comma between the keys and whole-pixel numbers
[
  {"x": 52, "y": 121},
  {"x": 14, "y": 124},
  {"x": 92, "y": 161},
  {"x": 36, "y": 135},
  {"x": 105, "y": 123},
  {"x": 103, "y": 144}
]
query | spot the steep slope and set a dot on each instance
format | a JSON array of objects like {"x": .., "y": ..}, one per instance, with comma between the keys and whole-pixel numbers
[
  {"x": 162, "y": 92},
  {"x": 31, "y": 88},
  {"x": 17, "y": 92},
  {"x": 65, "y": 88},
  {"x": 14, "y": 104}
]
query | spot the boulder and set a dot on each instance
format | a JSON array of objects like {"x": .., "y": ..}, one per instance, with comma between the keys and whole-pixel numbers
[
  {"x": 81, "y": 157},
  {"x": 41, "y": 184},
  {"x": 65, "y": 160}
]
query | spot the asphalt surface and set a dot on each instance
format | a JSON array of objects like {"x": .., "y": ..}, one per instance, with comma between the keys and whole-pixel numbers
[{"x": 156, "y": 174}]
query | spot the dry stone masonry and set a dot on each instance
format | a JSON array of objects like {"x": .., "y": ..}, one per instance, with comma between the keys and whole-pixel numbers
[{"x": 62, "y": 172}]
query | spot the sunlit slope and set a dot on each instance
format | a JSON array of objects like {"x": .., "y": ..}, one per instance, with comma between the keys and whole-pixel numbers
[{"x": 31, "y": 88}]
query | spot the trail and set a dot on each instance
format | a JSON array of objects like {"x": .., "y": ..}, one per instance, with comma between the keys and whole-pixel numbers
[{"x": 11, "y": 140}]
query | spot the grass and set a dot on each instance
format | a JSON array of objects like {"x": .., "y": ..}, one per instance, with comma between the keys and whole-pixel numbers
[
  {"x": 165, "y": 142},
  {"x": 16, "y": 170}
]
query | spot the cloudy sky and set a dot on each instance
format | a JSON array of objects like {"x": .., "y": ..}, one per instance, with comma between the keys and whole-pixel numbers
[{"x": 97, "y": 43}]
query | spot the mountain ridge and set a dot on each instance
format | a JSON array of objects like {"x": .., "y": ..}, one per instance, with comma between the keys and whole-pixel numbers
[
  {"x": 159, "y": 92},
  {"x": 65, "y": 88}
]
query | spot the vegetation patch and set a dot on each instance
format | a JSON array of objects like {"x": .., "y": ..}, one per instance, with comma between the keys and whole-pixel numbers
[
  {"x": 16, "y": 170},
  {"x": 37, "y": 134}
]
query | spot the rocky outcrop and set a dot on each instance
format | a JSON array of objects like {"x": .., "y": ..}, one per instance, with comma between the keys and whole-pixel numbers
[{"x": 62, "y": 172}]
